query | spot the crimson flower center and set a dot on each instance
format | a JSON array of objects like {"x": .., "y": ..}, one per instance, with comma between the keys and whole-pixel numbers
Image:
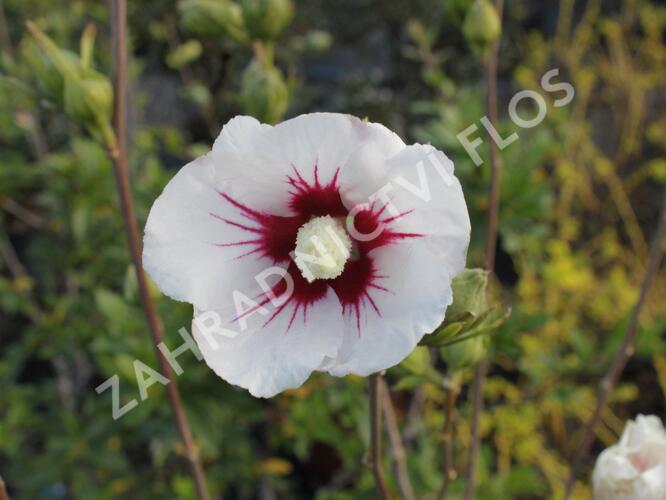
[{"x": 316, "y": 246}]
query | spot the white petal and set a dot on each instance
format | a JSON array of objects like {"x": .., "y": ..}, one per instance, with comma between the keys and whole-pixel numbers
[
  {"x": 419, "y": 291},
  {"x": 244, "y": 172},
  {"x": 365, "y": 171},
  {"x": 645, "y": 429},
  {"x": 655, "y": 482},
  {"x": 270, "y": 155},
  {"x": 268, "y": 359},
  {"x": 635, "y": 468},
  {"x": 183, "y": 230},
  {"x": 322, "y": 139},
  {"x": 240, "y": 136},
  {"x": 614, "y": 477},
  {"x": 421, "y": 186}
]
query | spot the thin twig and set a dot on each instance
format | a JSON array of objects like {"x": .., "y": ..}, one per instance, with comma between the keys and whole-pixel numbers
[
  {"x": 3, "y": 490},
  {"x": 119, "y": 35},
  {"x": 118, "y": 155},
  {"x": 449, "y": 471},
  {"x": 5, "y": 41},
  {"x": 376, "y": 437},
  {"x": 28, "y": 217},
  {"x": 625, "y": 351},
  {"x": 10, "y": 257},
  {"x": 36, "y": 137},
  {"x": 411, "y": 431},
  {"x": 490, "y": 74},
  {"x": 397, "y": 448},
  {"x": 18, "y": 271}
]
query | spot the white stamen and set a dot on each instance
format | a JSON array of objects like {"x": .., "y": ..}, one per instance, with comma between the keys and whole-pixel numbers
[{"x": 322, "y": 248}]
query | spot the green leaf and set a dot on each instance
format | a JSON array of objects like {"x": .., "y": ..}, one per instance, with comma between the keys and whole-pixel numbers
[
  {"x": 64, "y": 64},
  {"x": 130, "y": 284},
  {"x": 485, "y": 324},
  {"x": 408, "y": 382},
  {"x": 87, "y": 46},
  {"x": 112, "y": 306},
  {"x": 442, "y": 334}
]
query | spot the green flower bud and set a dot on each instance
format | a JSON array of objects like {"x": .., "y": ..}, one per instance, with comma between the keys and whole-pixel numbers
[
  {"x": 264, "y": 93},
  {"x": 87, "y": 95},
  {"x": 184, "y": 54},
  {"x": 265, "y": 19},
  {"x": 482, "y": 26},
  {"x": 213, "y": 18},
  {"x": 469, "y": 293},
  {"x": 418, "y": 362},
  {"x": 88, "y": 98},
  {"x": 464, "y": 354}
]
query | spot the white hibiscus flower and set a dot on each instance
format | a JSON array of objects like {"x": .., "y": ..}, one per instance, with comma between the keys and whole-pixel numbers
[
  {"x": 322, "y": 243},
  {"x": 635, "y": 467}
]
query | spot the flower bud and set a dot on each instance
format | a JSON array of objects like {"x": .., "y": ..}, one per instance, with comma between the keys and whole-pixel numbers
[
  {"x": 87, "y": 95},
  {"x": 264, "y": 93},
  {"x": 469, "y": 293},
  {"x": 464, "y": 354},
  {"x": 213, "y": 18},
  {"x": 184, "y": 54},
  {"x": 635, "y": 467},
  {"x": 88, "y": 98},
  {"x": 265, "y": 19},
  {"x": 482, "y": 26}
]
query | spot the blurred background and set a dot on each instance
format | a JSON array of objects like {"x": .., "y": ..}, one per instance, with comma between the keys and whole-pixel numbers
[{"x": 580, "y": 197}]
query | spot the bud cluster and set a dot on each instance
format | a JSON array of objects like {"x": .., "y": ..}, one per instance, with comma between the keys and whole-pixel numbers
[
  {"x": 257, "y": 24},
  {"x": 70, "y": 80}
]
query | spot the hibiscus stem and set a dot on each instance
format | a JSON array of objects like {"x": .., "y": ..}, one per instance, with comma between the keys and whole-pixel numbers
[
  {"x": 397, "y": 447},
  {"x": 376, "y": 436},
  {"x": 623, "y": 354},
  {"x": 118, "y": 155},
  {"x": 452, "y": 390},
  {"x": 3, "y": 490},
  {"x": 490, "y": 77}
]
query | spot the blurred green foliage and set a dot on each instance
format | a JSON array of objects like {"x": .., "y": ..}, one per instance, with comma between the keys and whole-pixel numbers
[{"x": 580, "y": 193}]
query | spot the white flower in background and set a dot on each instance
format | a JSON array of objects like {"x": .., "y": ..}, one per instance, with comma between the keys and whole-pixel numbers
[
  {"x": 634, "y": 468},
  {"x": 324, "y": 242}
]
